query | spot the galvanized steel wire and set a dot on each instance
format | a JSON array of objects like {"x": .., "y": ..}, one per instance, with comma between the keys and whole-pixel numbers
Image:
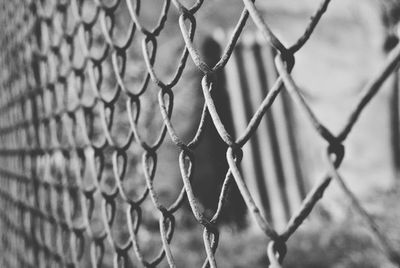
[{"x": 53, "y": 100}]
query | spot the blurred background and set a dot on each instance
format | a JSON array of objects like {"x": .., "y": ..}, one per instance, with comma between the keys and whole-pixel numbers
[{"x": 349, "y": 46}]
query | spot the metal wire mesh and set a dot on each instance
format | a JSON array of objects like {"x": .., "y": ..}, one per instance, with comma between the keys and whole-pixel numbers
[{"x": 65, "y": 151}]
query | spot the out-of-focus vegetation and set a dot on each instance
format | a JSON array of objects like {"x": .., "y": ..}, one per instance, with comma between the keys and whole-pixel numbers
[{"x": 321, "y": 242}]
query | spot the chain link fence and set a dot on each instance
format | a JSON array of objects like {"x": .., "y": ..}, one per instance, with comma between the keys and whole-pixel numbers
[{"x": 78, "y": 161}]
